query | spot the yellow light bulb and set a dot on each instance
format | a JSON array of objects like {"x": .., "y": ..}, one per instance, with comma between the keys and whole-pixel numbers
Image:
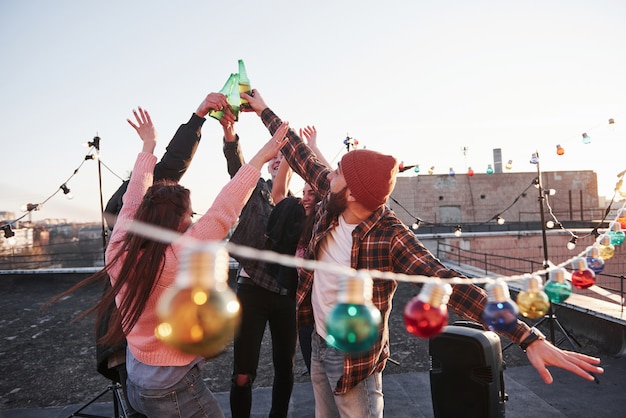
[
  {"x": 533, "y": 303},
  {"x": 200, "y": 315}
]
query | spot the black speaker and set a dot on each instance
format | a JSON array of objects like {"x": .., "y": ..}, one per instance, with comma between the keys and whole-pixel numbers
[{"x": 467, "y": 372}]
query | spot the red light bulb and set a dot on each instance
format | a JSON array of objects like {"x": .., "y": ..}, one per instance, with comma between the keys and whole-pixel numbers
[
  {"x": 427, "y": 313},
  {"x": 470, "y": 172},
  {"x": 582, "y": 276},
  {"x": 621, "y": 218}
]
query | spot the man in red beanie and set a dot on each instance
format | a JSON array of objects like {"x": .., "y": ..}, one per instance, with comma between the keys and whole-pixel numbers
[{"x": 354, "y": 228}]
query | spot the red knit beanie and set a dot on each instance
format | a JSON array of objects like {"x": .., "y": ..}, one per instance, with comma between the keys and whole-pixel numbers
[{"x": 370, "y": 175}]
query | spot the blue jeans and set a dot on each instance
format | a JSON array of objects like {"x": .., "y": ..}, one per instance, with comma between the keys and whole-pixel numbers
[
  {"x": 258, "y": 308},
  {"x": 362, "y": 401},
  {"x": 188, "y": 398}
]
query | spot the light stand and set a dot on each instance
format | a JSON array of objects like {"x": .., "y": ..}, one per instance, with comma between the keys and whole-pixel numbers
[
  {"x": 551, "y": 316},
  {"x": 119, "y": 406},
  {"x": 96, "y": 144}
]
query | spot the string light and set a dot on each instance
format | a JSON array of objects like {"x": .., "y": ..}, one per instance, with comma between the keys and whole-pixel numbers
[
  {"x": 66, "y": 191},
  {"x": 350, "y": 143},
  {"x": 457, "y": 231},
  {"x": 532, "y": 301},
  {"x": 489, "y": 169},
  {"x": 557, "y": 287},
  {"x": 572, "y": 242},
  {"x": 500, "y": 313},
  {"x": 9, "y": 235},
  {"x": 582, "y": 276},
  {"x": 431, "y": 170},
  {"x": 470, "y": 172},
  {"x": 586, "y": 138},
  {"x": 509, "y": 165},
  {"x": 607, "y": 249},
  {"x": 417, "y": 168},
  {"x": 560, "y": 150},
  {"x": 352, "y": 324},
  {"x": 200, "y": 315},
  {"x": 594, "y": 261},
  {"x": 427, "y": 313},
  {"x": 500, "y": 220},
  {"x": 616, "y": 233},
  {"x": 451, "y": 173}
]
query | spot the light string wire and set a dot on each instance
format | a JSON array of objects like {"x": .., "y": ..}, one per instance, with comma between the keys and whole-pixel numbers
[
  {"x": 167, "y": 236},
  {"x": 31, "y": 207}
]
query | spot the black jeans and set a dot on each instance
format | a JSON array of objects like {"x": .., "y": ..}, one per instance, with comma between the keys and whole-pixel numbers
[{"x": 259, "y": 307}]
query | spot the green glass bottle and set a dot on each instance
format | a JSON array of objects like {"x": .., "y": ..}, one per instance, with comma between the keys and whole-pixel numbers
[
  {"x": 217, "y": 114},
  {"x": 233, "y": 97},
  {"x": 244, "y": 84}
]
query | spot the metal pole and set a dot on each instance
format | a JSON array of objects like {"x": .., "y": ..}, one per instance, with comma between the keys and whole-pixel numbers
[
  {"x": 96, "y": 145},
  {"x": 545, "y": 242}
]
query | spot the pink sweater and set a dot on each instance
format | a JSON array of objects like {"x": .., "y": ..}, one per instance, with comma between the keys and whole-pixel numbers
[{"x": 214, "y": 225}]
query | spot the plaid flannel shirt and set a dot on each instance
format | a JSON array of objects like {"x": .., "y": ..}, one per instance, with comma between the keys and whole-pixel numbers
[{"x": 381, "y": 242}]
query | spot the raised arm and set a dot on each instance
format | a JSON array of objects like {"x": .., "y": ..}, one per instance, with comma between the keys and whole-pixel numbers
[
  {"x": 280, "y": 185},
  {"x": 310, "y": 135}
]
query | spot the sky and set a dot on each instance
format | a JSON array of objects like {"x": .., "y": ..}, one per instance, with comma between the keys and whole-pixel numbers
[{"x": 433, "y": 83}]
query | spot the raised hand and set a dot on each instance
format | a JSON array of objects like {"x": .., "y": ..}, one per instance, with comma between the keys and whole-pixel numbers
[
  {"x": 257, "y": 104},
  {"x": 271, "y": 147},
  {"x": 145, "y": 129},
  {"x": 214, "y": 101}
]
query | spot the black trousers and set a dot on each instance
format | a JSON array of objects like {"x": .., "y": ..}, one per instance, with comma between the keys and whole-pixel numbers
[{"x": 260, "y": 307}]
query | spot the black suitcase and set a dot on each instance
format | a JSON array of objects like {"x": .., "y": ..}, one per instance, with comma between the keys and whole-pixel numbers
[{"x": 467, "y": 372}]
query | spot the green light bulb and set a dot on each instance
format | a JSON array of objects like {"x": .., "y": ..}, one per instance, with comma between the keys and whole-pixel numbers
[{"x": 352, "y": 324}]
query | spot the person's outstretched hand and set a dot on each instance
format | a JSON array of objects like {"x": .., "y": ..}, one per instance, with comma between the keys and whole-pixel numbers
[
  {"x": 213, "y": 101},
  {"x": 310, "y": 134},
  {"x": 257, "y": 104},
  {"x": 543, "y": 354},
  {"x": 271, "y": 147},
  {"x": 145, "y": 129}
]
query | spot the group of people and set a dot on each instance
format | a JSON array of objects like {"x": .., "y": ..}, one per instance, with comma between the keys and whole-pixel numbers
[{"x": 341, "y": 219}]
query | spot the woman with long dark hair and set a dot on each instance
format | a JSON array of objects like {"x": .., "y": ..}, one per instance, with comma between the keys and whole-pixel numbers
[{"x": 162, "y": 381}]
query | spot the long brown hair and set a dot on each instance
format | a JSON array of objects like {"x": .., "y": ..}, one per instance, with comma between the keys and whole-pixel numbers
[
  {"x": 165, "y": 204},
  {"x": 307, "y": 228}
]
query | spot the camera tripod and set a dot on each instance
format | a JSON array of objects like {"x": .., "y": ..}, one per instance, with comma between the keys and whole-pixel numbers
[{"x": 119, "y": 403}]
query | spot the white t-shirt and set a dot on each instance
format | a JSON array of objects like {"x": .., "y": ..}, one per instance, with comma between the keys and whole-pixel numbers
[{"x": 335, "y": 249}]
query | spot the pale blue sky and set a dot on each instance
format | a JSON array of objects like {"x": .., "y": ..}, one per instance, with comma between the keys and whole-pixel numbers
[{"x": 416, "y": 79}]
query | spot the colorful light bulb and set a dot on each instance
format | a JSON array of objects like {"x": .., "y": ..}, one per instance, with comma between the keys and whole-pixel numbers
[
  {"x": 533, "y": 302},
  {"x": 427, "y": 313},
  {"x": 489, "y": 169},
  {"x": 200, "y": 315},
  {"x": 431, "y": 170},
  {"x": 594, "y": 261},
  {"x": 582, "y": 276},
  {"x": 500, "y": 313},
  {"x": 509, "y": 165},
  {"x": 244, "y": 84},
  {"x": 470, "y": 172},
  {"x": 616, "y": 233},
  {"x": 417, "y": 168},
  {"x": 451, "y": 172},
  {"x": 401, "y": 166},
  {"x": 560, "y": 150},
  {"x": 557, "y": 287},
  {"x": 586, "y": 138},
  {"x": 500, "y": 220},
  {"x": 607, "y": 249},
  {"x": 352, "y": 324},
  {"x": 217, "y": 114},
  {"x": 534, "y": 159}
]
